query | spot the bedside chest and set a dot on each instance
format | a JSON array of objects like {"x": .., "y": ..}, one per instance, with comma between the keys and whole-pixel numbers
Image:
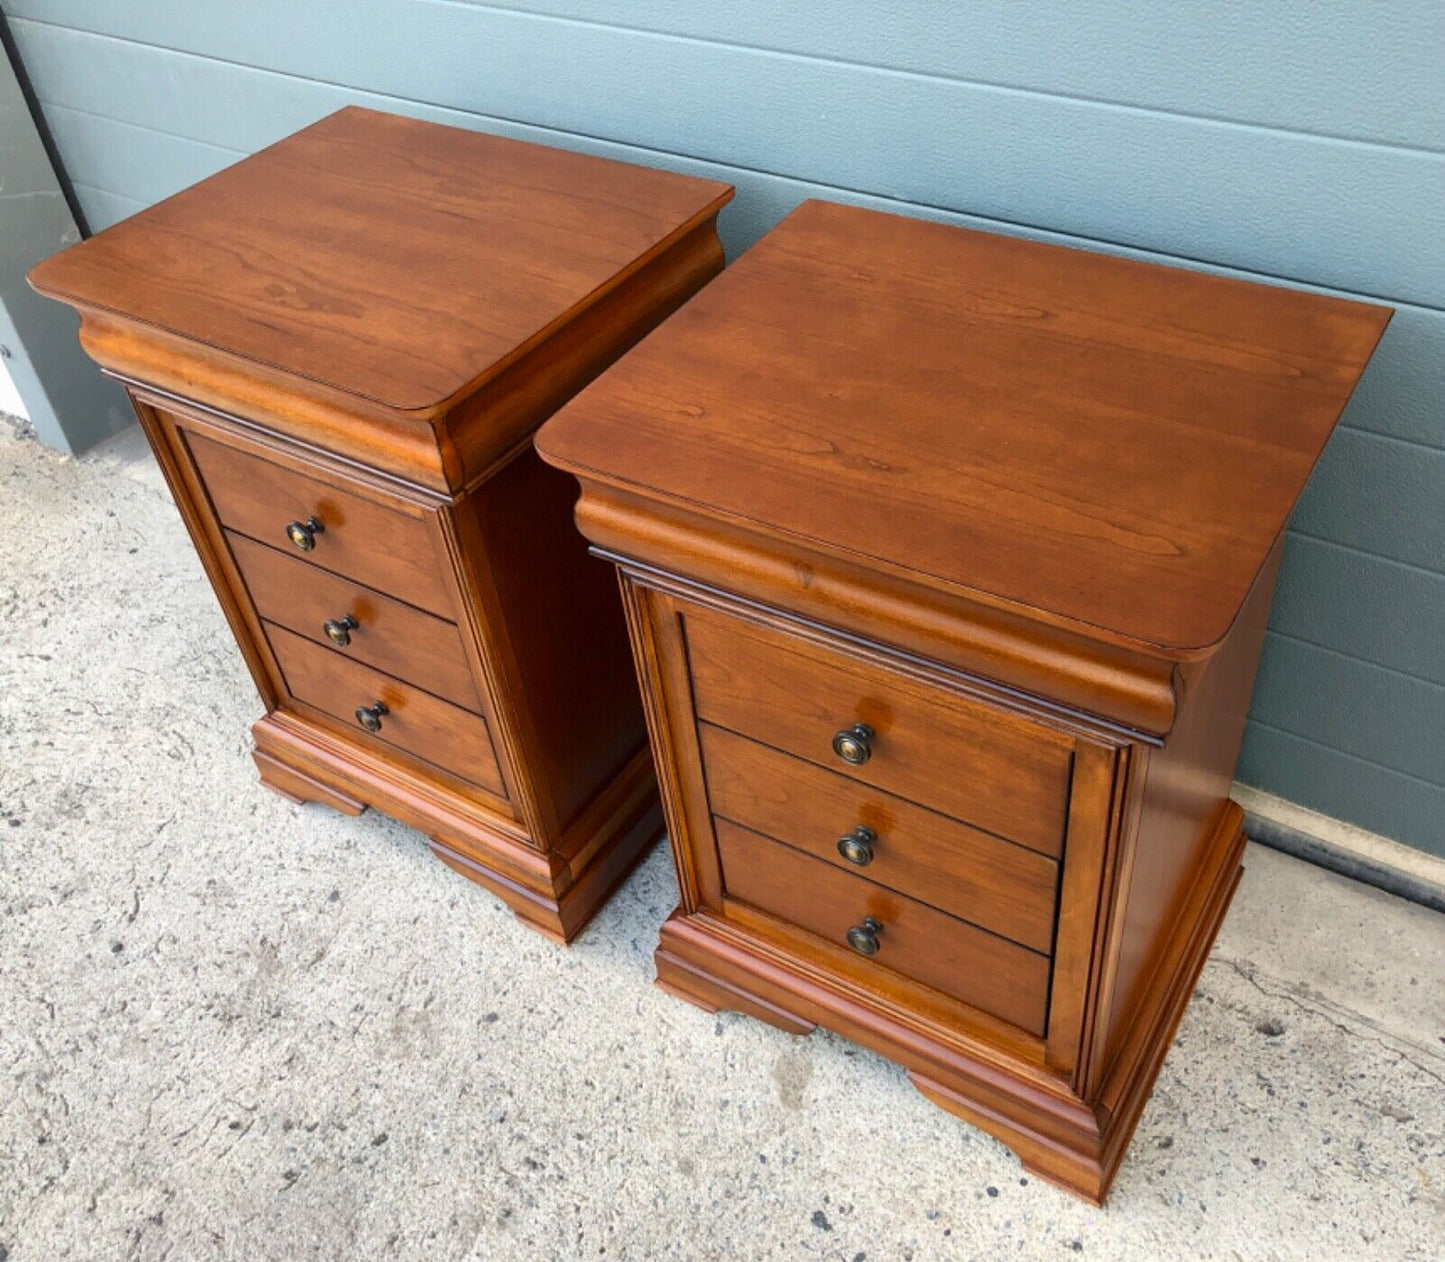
[
  {"x": 947, "y": 560},
  {"x": 339, "y": 349}
]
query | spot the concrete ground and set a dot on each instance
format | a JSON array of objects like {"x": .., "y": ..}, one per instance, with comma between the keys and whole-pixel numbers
[{"x": 235, "y": 1028}]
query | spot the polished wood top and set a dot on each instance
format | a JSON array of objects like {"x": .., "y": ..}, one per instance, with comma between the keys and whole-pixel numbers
[
  {"x": 1092, "y": 441},
  {"x": 391, "y": 258}
]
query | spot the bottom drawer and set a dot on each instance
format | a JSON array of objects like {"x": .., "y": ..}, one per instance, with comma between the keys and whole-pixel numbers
[
  {"x": 915, "y": 940},
  {"x": 431, "y": 729}
]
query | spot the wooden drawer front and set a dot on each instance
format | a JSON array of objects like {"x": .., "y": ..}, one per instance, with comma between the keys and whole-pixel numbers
[
  {"x": 917, "y": 941},
  {"x": 948, "y": 753},
  {"x": 431, "y": 729},
  {"x": 1005, "y": 888},
  {"x": 394, "y": 637},
  {"x": 382, "y": 547}
]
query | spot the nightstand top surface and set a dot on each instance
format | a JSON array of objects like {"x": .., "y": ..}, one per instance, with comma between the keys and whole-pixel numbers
[
  {"x": 394, "y": 259},
  {"x": 1095, "y": 442}
]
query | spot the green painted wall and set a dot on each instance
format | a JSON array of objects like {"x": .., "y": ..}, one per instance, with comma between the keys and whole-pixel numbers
[
  {"x": 1290, "y": 141},
  {"x": 68, "y": 404}
]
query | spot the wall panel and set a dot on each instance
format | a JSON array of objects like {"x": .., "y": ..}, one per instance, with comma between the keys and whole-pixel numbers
[{"x": 1299, "y": 143}]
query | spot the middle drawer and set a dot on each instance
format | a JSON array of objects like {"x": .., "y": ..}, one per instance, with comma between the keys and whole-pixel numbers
[
  {"x": 911, "y": 939},
  {"x": 387, "y": 634},
  {"x": 996, "y": 884}
]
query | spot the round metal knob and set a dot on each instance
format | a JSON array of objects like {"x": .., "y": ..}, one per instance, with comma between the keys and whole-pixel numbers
[
  {"x": 857, "y": 846},
  {"x": 854, "y": 744},
  {"x": 303, "y": 533},
  {"x": 338, "y": 630},
  {"x": 369, "y": 716},
  {"x": 864, "y": 938}
]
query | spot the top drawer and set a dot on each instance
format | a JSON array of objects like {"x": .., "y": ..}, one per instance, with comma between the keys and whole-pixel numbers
[
  {"x": 961, "y": 757},
  {"x": 385, "y": 548}
]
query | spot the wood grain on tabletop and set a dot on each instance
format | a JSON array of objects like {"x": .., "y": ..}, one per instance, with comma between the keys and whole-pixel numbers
[
  {"x": 1113, "y": 443},
  {"x": 389, "y": 257}
]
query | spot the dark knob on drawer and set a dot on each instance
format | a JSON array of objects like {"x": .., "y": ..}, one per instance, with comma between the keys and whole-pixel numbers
[
  {"x": 857, "y": 846},
  {"x": 369, "y": 716},
  {"x": 854, "y": 744},
  {"x": 303, "y": 533},
  {"x": 338, "y": 630},
  {"x": 864, "y": 938}
]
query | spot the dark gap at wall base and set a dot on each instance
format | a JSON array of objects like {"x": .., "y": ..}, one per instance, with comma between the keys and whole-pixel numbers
[{"x": 1325, "y": 854}]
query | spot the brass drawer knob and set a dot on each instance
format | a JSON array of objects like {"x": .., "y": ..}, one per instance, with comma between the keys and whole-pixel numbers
[
  {"x": 369, "y": 716},
  {"x": 303, "y": 533},
  {"x": 854, "y": 744},
  {"x": 338, "y": 630},
  {"x": 857, "y": 846},
  {"x": 864, "y": 938}
]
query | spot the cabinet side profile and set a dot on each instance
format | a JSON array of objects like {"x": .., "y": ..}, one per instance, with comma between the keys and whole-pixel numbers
[{"x": 348, "y": 437}]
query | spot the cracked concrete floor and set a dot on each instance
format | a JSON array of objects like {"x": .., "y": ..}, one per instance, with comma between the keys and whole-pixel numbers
[{"x": 235, "y": 1028}]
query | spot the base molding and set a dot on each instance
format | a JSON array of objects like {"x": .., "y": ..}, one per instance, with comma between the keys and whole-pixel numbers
[
  {"x": 716, "y": 965},
  {"x": 296, "y": 786},
  {"x": 685, "y": 981},
  {"x": 1061, "y": 1136},
  {"x": 563, "y": 914},
  {"x": 1075, "y": 1167},
  {"x": 550, "y": 892}
]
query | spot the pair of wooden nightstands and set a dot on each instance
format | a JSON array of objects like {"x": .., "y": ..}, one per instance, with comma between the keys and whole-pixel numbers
[{"x": 946, "y": 560}]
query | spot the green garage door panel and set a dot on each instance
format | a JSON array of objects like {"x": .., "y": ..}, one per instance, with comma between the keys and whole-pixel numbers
[
  {"x": 1312, "y": 692},
  {"x": 87, "y": 82},
  {"x": 1366, "y": 794},
  {"x": 142, "y": 165},
  {"x": 1252, "y": 140},
  {"x": 1181, "y": 184},
  {"x": 1379, "y": 494},
  {"x": 1362, "y": 606},
  {"x": 1273, "y": 65}
]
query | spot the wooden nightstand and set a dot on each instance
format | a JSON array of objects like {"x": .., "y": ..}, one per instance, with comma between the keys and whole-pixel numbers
[
  {"x": 339, "y": 349},
  {"x": 947, "y": 559}
]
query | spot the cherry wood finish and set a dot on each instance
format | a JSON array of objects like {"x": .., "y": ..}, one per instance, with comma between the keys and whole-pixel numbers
[
  {"x": 376, "y": 543},
  {"x": 431, "y": 729},
  {"x": 993, "y": 883},
  {"x": 363, "y": 325},
  {"x": 914, "y": 939},
  {"x": 1084, "y": 490},
  {"x": 1018, "y": 509},
  {"x": 388, "y": 634},
  {"x": 926, "y": 746},
  {"x": 390, "y": 258}
]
